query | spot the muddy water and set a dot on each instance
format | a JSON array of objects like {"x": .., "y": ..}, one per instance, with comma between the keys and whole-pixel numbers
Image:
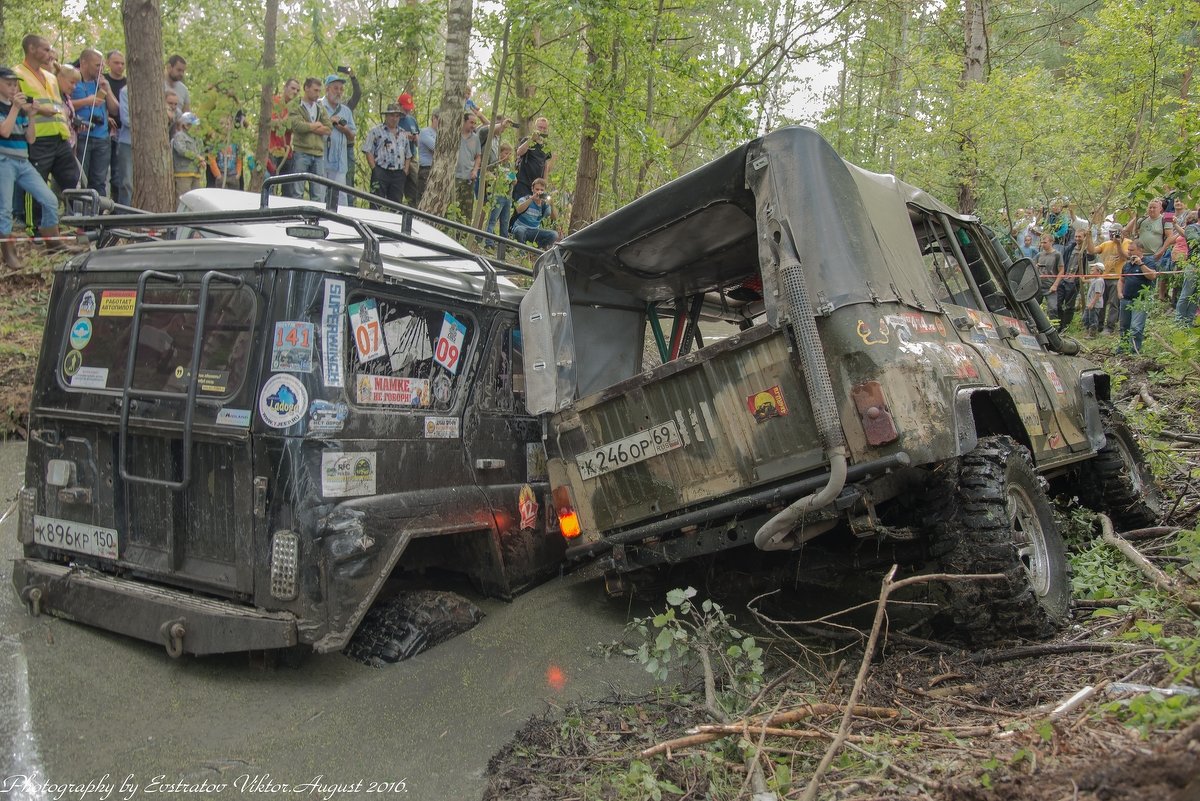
[{"x": 79, "y": 705}]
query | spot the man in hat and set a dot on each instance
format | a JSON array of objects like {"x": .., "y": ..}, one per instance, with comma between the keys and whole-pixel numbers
[
  {"x": 387, "y": 149},
  {"x": 409, "y": 124},
  {"x": 16, "y": 135},
  {"x": 337, "y": 161}
]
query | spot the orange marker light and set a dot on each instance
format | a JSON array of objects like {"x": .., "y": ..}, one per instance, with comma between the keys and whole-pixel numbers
[{"x": 568, "y": 523}]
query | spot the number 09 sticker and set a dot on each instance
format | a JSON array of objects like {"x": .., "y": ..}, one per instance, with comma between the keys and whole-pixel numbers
[{"x": 450, "y": 343}]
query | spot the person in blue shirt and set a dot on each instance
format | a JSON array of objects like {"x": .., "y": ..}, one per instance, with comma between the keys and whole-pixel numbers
[
  {"x": 93, "y": 102},
  {"x": 531, "y": 210},
  {"x": 16, "y": 135},
  {"x": 1136, "y": 275}
]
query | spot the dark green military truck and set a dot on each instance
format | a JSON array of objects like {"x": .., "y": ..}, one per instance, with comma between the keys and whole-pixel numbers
[{"x": 782, "y": 351}]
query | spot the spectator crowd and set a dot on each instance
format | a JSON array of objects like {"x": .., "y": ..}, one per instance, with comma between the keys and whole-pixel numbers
[
  {"x": 68, "y": 126},
  {"x": 1115, "y": 273}
]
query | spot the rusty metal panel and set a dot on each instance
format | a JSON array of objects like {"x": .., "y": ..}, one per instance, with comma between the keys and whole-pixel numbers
[{"x": 743, "y": 417}]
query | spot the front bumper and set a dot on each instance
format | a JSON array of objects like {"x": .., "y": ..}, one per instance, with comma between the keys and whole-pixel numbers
[{"x": 179, "y": 621}]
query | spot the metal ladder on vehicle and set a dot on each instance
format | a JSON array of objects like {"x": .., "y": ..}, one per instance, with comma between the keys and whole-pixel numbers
[{"x": 129, "y": 393}]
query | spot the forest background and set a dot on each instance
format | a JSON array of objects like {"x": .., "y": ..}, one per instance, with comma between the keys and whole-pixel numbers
[{"x": 989, "y": 105}]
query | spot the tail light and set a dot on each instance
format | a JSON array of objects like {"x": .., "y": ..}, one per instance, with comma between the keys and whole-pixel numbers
[
  {"x": 285, "y": 548},
  {"x": 568, "y": 520},
  {"x": 26, "y": 508}
]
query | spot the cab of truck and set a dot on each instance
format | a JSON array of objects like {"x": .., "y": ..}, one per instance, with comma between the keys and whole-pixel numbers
[
  {"x": 242, "y": 443},
  {"x": 781, "y": 350}
]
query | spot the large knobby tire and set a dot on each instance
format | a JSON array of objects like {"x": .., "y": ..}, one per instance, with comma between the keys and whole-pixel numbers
[
  {"x": 408, "y": 624},
  {"x": 999, "y": 520},
  {"x": 1118, "y": 481}
]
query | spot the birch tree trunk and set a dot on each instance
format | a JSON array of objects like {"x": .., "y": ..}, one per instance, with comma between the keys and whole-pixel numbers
[
  {"x": 436, "y": 195},
  {"x": 153, "y": 180},
  {"x": 267, "y": 97},
  {"x": 974, "y": 71},
  {"x": 583, "y": 207}
]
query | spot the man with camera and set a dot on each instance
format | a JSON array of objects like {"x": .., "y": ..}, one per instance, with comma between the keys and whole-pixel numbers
[
  {"x": 93, "y": 102},
  {"x": 1112, "y": 254},
  {"x": 50, "y": 153},
  {"x": 337, "y": 162},
  {"x": 16, "y": 135},
  {"x": 1138, "y": 273},
  {"x": 531, "y": 210},
  {"x": 534, "y": 159}
]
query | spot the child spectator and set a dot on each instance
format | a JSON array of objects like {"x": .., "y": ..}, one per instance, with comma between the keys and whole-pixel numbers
[
  {"x": 1093, "y": 310},
  {"x": 531, "y": 210},
  {"x": 188, "y": 158},
  {"x": 16, "y": 135}
]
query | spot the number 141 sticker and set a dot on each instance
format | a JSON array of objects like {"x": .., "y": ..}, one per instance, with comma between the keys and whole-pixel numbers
[{"x": 450, "y": 342}]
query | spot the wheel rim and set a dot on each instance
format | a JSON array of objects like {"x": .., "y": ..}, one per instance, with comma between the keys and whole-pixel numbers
[{"x": 1029, "y": 538}]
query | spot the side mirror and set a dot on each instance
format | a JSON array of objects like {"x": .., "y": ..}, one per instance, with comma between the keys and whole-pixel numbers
[{"x": 1023, "y": 280}]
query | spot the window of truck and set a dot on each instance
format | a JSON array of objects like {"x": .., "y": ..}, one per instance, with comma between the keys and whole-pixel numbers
[
  {"x": 96, "y": 343},
  {"x": 404, "y": 355}
]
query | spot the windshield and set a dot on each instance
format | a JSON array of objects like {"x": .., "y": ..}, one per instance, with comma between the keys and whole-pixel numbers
[{"x": 97, "y": 341}]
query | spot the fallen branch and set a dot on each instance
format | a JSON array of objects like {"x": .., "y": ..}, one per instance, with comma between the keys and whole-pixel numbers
[
  {"x": 1148, "y": 399},
  {"x": 1150, "y": 533},
  {"x": 899, "y": 771},
  {"x": 754, "y": 725},
  {"x": 888, "y": 586},
  {"x": 1180, "y": 436},
  {"x": 1156, "y": 576},
  {"x": 1175, "y": 352},
  {"x": 1045, "y": 649}
]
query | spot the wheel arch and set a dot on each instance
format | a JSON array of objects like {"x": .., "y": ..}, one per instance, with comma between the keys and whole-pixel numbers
[{"x": 988, "y": 411}]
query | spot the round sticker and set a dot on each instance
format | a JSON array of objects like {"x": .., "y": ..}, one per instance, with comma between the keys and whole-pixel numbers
[
  {"x": 283, "y": 401},
  {"x": 81, "y": 333},
  {"x": 87, "y": 304},
  {"x": 72, "y": 363},
  {"x": 441, "y": 389}
]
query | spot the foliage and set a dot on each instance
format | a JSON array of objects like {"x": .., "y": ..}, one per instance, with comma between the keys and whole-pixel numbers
[
  {"x": 687, "y": 634},
  {"x": 1146, "y": 712}
]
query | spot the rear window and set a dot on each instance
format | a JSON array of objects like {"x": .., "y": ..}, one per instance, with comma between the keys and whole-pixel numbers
[
  {"x": 97, "y": 340},
  {"x": 405, "y": 356}
]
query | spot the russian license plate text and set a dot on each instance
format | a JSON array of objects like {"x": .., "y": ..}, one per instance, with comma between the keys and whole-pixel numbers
[
  {"x": 635, "y": 448},
  {"x": 78, "y": 537}
]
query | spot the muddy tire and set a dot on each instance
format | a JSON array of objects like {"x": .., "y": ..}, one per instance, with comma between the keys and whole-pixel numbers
[
  {"x": 408, "y": 624},
  {"x": 998, "y": 519},
  {"x": 1118, "y": 481}
]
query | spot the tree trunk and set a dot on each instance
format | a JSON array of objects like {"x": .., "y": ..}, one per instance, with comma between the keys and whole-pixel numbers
[
  {"x": 494, "y": 116},
  {"x": 153, "y": 180},
  {"x": 974, "y": 71},
  {"x": 3, "y": 15},
  {"x": 587, "y": 173},
  {"x": 436, "y": 196},
  {"x": 267, "y": 98}
]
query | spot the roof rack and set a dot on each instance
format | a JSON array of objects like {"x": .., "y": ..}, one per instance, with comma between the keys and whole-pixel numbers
[{"x": 107, "y": 229}]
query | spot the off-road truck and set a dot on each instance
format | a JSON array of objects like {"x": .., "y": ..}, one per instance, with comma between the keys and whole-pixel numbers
[
  {"x": 240, "y": 439},
  {"x": 781, "y": 348}
]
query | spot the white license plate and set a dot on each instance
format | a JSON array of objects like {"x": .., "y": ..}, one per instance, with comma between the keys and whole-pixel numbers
[
  {"x": 635, "y": 448},
  {"x": 78, "y": 537}
]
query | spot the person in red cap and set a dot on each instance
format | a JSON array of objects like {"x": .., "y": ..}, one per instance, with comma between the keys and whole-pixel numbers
[{"x": 408, "y": 124}]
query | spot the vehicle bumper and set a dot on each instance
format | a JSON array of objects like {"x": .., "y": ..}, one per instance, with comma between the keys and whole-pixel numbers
[{"x": 179, "y": 621}]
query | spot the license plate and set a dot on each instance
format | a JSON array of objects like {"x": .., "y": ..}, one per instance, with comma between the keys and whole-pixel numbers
[
  {"x": 635, "y": 448},
  {"x": 78, "y": 537}
]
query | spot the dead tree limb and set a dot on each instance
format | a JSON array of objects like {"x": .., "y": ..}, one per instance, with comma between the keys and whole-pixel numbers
[
  {"x": 888, "y": 586},
  {"x": 1156, "y": 576},
  {"x": 1045, "y": 649}
]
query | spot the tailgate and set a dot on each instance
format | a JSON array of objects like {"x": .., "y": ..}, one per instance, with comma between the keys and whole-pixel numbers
[
  {"x": 730, "y": 417},
  {"x": 175, "y": 503}
]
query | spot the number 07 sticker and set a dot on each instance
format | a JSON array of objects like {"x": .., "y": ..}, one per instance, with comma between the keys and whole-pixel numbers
[
  {"x": 450, "y": 343},
  {"x": 368, "y": 336}
]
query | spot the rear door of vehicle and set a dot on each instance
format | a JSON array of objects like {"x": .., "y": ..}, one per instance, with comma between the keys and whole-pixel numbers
[{"x": 156, "y": 460}]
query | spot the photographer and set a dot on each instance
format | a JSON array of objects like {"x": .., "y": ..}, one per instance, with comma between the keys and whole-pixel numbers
[
  {"x": 90, "y": 101},
  {"x": 531, "y": 210},
  {"x": 534, "y": 160},
  {"x": 16, "y": 135},
  {"x": 341, "y": 137},
  {"x": 1138, "y": 273}
]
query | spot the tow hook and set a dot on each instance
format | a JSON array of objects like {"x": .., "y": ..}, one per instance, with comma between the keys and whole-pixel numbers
[
  {"x": 173, "y": 633},
  {"x": 32, "y": 596}
]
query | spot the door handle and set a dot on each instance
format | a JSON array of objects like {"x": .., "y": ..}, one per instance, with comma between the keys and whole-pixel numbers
[{"x": 489, "y": 464}]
